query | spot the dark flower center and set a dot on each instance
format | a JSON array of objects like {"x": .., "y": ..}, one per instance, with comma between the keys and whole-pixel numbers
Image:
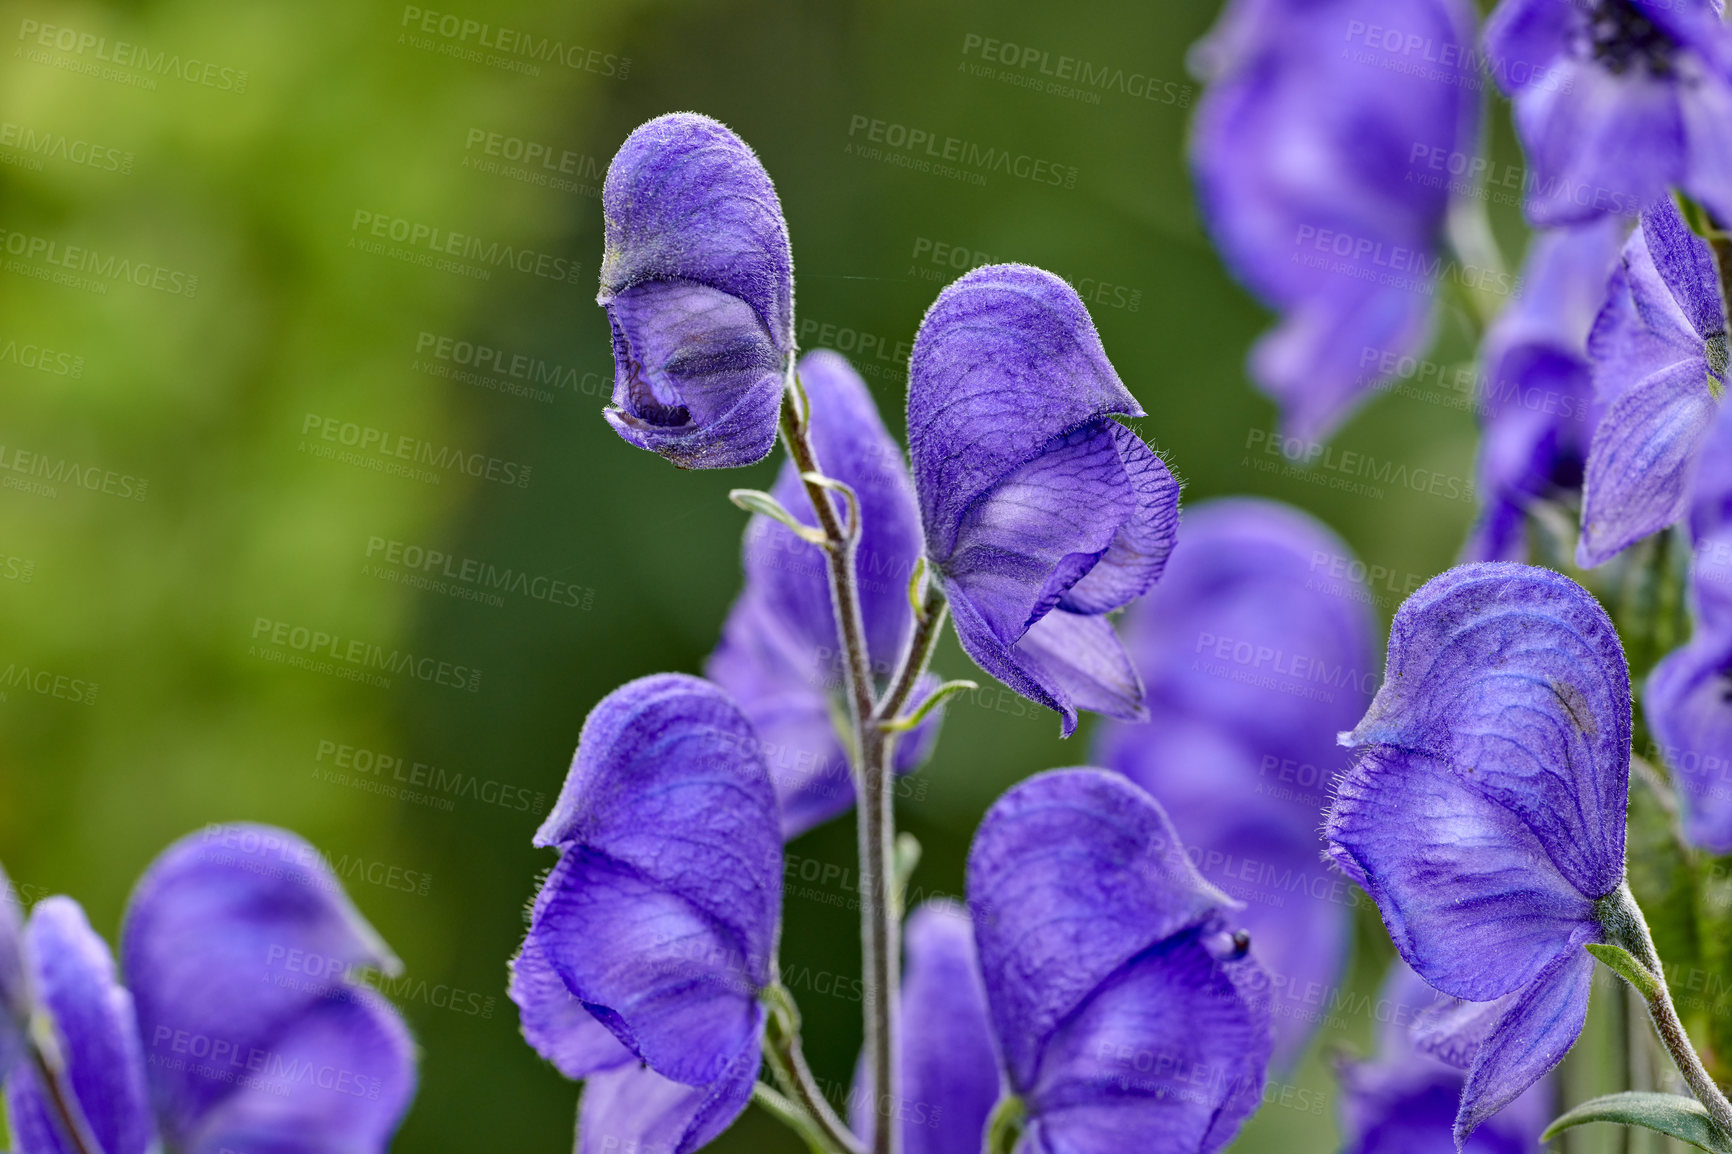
[
  {"x": 649, "y": 408},
  {"x": 1621, "y": 38}
]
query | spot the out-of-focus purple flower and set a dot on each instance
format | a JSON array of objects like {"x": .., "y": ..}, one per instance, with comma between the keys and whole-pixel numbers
[
  {"x": 1688, "y": 702},
  {"x": 698, "y": 282},
  {"x": 1404, "y": 1101},
  {"x": 1257, "y": 649},
  {"x": 1711, "y": 496},
  {"x": 1616, "y": 101},
  {"x": 241, "y": 1026},
  {"x": 14, "y": 980},
  {"x": 1536, "y": 400},
  {"x": 779, "y": 656},
  {"x": 1485, "y": 811},
  {"x": 652, "y": 938},
  {"x": 949, "y": 1066},
  {"x": 1323, "y": 162},
  {"x": 1127, "y": 1014},
  {"x": 1042, "y": 514},
  {"x": 1660, "y": 359}
]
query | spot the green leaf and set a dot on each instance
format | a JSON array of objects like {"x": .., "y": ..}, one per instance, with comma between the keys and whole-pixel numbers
[
  {"x": 1619, "y": 961},
  {"x": 758, "y": 501},
  {"x": 909, "y": 721},
  {"x": 1670, "y": 1114}
]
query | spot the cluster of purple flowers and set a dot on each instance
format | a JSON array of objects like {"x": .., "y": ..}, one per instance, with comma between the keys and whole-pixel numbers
[
  {"x": 1125, "y": 968},
  {"x": 244, "y": 1022}
]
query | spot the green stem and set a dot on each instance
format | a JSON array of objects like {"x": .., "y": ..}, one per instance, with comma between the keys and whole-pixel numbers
[
  {"x": 1627, "y": 928},
  {"x": 804, "y": 1108}
]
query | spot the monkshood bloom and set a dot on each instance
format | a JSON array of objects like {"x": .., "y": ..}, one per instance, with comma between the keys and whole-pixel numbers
[
  {"x": 1404, "y": 1101},
  {"x": 1484, "y": 813},
  {"x": 779, "y": 657},
  {"x": 949, "y": 1065},
  {"x": 1323, "y": 166},
  {"x": 651, "y": 939},
  {"x": 1041, "y": 513},
  {"x": 1615, "y": 101},
  {"x": 1257, "y": 649},
  {"x": 1536, "y": 397},
  {"x": 1127, "y": 1014},
  {"x": 1660, "y": 359},
  {"x": 698, "y": 282},
  {"x": 240, "y": 1027},
  {"x": 1688, "y": 702}
]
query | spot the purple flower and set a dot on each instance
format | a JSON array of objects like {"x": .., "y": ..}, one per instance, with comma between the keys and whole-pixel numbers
[
  {"x": 1484, "y": 813},
  {"x": 652, "y": 938},
  {"x": 949, "y": 1065},
  {"x": 1659, "y": 352},
  {"x": 698, "y": 282},
  {"x": 1256, "y": 649},
  {"x": 1404, "y": 1101},
  {"x": 1615, "y": 101},
  {"x": 1323, "y": 164},
  {"x": 240, "y": 1028},
  {"x": 1041, "y": 513},
  {"x": 1688, "y": 702},
  {"x": 779, "y": 657},
  {"x": 1537, "y": 406},
  {"x": 1127, "y": 1015}
]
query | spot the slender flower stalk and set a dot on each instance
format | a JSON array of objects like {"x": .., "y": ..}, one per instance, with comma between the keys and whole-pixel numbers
[
  {"x": 870, "y": 745},
  {"x": 1626, "y": 927},
  {"x": 73, "y": 1127}
]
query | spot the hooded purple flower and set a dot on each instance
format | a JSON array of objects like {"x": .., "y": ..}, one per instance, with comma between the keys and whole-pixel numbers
[
  {"x": 1126, "y": 1014},
  {"x": 1536, "y": 404},
  {"x": 1404, "y": 1102},
  {"x": 653, "y": 936},
  {"x": 949, "y": 1064},
  {"x": 779, "y": 656},
  {"x": 1660, "y": 359},
  {"x": 1257, "y": 650},
  {"x": 1042, "y": 514},
  {"x": 1485, "y": 811},
  {"x": 1688, "y": 702},
  {"x": 698, "y": 282},
  {"x": 1615, "y": 101},
  {"x": 240, "y": 1027},
  {"x": 1323, "y": 151}
]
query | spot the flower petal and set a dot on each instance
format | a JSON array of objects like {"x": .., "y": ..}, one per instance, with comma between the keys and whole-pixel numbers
[
  {"x": 1706, "y": 101},
  {"x": 1598, "y": 142},
  {"x": 853, "y": 446},
  {"x": 73, "y": 977},
  {"x": 233, "y": 936},
  {"x": 1523, "y": 37},
  {"x": 949, "y": 1066},
  {"x": 1511, "y": 681},
  {"x": 1168, "y": 1055},
  {"x": 1065, "y": 662},
  {"x": 1006, "y": 360},
  {"x": 339, "y": 1078},
  {"x": 556, "y": 1024},
  {"x": 1688, "y": 272},
  {"x": 1469, "y": 895},
  {"x": 1138, "y": 554},
  {"x": 1022, "y": 546},
  {"x": 1072, "y": 874},
  {"x": 1643, "y": 460},
  {"x": 1534, "y": 1034},
  {"x": 1688, "y": 703},
  {"x": 696, "y": 379},
  {"x": 1711, "y": 495},
  {"x": 668, "y": 791},
  {"x": 697, "y": 279},
  {"x": 632, "y": 1108}
]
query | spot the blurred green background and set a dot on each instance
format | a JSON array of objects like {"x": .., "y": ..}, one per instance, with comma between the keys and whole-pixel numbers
[{"x": 253, "y": 146}]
